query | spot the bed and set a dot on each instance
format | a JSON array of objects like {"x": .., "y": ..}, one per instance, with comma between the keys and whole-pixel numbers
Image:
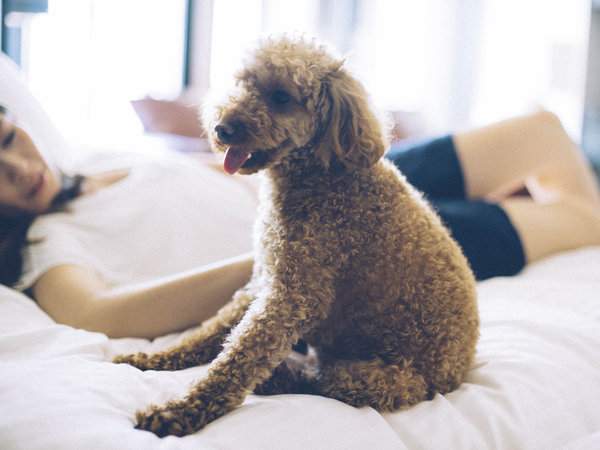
[{"x": 535, "y": 383}]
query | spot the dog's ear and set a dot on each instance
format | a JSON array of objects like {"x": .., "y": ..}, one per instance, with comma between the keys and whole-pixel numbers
[{"x": 349, "y": 130}]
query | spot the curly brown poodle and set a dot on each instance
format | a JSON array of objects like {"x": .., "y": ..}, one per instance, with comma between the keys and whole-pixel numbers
[{"x": 348, "y": 256}]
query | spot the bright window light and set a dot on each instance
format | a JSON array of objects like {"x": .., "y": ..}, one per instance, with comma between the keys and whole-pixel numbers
[
  {"x": 88, "y": 58},
  {"x": 237, "y": 24}
]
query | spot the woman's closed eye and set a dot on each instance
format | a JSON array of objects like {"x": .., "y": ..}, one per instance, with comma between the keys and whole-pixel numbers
[{"x": 8, "y": 139}]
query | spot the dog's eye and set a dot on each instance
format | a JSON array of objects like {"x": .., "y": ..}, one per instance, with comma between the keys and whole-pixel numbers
[{"x": 280, "y": 97}]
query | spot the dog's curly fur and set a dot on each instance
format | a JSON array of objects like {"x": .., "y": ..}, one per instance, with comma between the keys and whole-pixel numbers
[{"x": 348, "y": 257}]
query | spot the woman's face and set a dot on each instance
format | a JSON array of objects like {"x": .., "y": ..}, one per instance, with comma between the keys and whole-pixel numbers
[{"x": 27, "y": 184}]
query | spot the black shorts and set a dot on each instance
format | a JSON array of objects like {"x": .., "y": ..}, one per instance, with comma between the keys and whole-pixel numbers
[{"x": 483, "y": 230}]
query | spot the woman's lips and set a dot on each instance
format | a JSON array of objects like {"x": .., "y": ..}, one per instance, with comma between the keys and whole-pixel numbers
[{"x": 37, "y": 186}]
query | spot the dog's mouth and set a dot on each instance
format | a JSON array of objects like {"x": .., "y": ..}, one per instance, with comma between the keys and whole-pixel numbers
[{"x": 239, "y": 158}]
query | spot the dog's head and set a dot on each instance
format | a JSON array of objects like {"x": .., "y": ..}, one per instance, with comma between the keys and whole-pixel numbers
[{"x": 295, "y": 102}]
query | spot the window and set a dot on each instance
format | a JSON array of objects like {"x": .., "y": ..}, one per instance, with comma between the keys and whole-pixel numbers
[
  {"x": 86, "y": 59},
  {"x": 14, "y": 13},
  {"x": 452, "y": 63}
]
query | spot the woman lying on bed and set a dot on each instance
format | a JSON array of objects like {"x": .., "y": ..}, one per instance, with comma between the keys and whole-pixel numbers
[{"x": 116, "y": 251}]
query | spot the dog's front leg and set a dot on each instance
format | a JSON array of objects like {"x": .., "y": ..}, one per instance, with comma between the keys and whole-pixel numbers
[{"x": 253, "y": 350}]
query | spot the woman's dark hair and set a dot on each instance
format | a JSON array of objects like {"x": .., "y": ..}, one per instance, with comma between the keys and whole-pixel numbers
[
  {"x": 13, "y": 238},
  {"x": 14, "y": 227}
]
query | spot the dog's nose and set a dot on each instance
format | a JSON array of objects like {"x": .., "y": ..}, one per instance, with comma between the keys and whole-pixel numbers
[{"x": 226, "y": 132}]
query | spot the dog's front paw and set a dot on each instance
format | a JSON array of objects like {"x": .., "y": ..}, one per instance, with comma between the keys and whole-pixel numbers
[
  {"x": 140, "y": 360},
  {"x": 156, "y": 361},
  {"x": 169, "y": 421},
  {"x": 199, "y": 408}
]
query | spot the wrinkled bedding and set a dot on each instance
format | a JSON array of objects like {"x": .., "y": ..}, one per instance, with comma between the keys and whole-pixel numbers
[{"x": 535, "y": 383}]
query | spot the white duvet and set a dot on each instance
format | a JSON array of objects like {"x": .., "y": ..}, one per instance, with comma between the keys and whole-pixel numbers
[{"x": 536, "y": 383}]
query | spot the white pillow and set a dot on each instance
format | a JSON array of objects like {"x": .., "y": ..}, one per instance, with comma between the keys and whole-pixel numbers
[{"x": 16, "y": 97}]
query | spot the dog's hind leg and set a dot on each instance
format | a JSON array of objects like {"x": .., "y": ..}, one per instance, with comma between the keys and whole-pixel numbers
[
  {"x": 372, "y": 383},
  {"x": 199, "y": 348}
]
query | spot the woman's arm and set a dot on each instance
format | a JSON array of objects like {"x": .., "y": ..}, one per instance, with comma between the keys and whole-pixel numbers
[{"x": 76, "y": 296}]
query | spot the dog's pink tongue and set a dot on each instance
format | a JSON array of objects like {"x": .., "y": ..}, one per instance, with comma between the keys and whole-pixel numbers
[{"x": 234, "y": 159}]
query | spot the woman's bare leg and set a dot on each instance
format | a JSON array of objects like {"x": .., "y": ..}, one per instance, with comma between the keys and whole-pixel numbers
[
  {"x": 533, "y": 151},
  {"x": 547, "y": 228},
  {"x": 563, "y": 210}
]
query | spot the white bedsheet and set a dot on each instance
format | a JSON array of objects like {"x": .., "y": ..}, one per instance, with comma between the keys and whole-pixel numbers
[{"x": 536, "y": 383}]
